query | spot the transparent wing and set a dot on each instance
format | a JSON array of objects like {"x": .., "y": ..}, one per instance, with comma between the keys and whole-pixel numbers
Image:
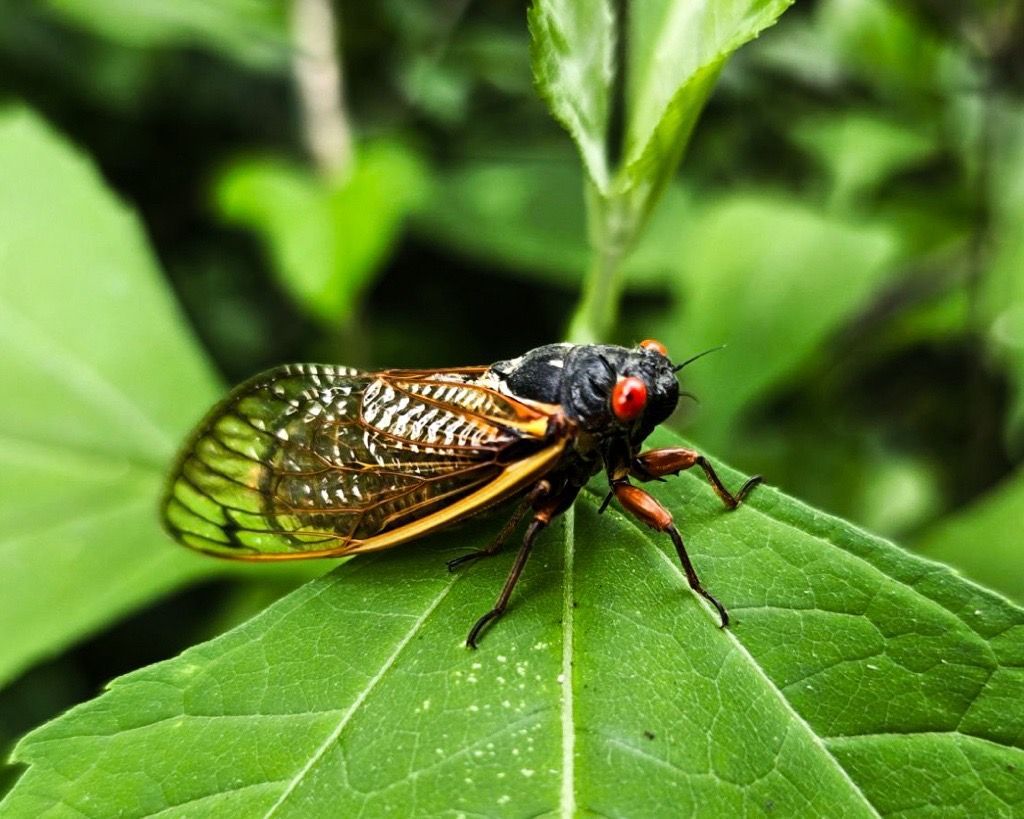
[{"x": 315, "y": 460}]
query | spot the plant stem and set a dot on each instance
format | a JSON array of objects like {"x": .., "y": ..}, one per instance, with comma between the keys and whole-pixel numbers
[
  {"x": 598, "y": 307},
  {"x": 318, "y": 74},
  {"x": 612, "y": 225}
]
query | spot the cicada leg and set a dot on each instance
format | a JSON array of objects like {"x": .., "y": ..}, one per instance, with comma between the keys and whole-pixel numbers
[
  {"x": 538, "y": 491},
  {"x": 643, "y": 506},
  {"x": 546, "y": 508},
  {"x": 656, "y": 463}
]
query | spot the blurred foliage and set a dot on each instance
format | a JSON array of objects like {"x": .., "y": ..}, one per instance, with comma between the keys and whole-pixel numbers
[
  {"x": 78, "y": 489},
  {"x": 846, "y": 220},
  {"x": 251, "y": 31},
  {"x": 327, "y": 237}
]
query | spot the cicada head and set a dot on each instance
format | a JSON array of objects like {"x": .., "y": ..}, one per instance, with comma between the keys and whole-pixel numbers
[
  {"x": 618, "y": 390},
  {"x": 609, "y": 391}
]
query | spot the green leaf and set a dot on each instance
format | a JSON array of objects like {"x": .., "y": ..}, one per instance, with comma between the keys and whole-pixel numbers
[
  {"x": 327, "y": 238},
  {"x": 860, "y": 151},
  {"x": 856, "y": 680},
  {"x": 673, "y": 52},
  {"x": 254, "y": 32},
  {"x": 983, "y": 539},
  {"x": 101, "y": 380},
  {"x": 524, "y": 214},
  {"x": 573, "y": 55},
  {"x": 771, "y": 279}
]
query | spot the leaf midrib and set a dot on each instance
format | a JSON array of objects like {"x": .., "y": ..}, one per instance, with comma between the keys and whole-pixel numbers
[{"x": 567, "y": 800}]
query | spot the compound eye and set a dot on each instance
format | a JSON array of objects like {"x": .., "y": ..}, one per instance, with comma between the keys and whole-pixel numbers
[
  {"x": 629, "y": 397},
  {"x": 654, "y": 344}
]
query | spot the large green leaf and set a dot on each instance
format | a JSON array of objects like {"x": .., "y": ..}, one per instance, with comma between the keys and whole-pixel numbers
[
  {"x": 101, "y": 382},
  {"x": 855, "y": 680}
]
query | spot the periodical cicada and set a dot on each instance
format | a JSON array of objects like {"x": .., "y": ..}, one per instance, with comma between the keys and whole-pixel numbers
[{"x": 308, "y": 460}]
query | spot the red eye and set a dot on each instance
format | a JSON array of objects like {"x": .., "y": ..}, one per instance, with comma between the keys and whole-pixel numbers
[
  {"x": 654, "y": 344},
  {"x": 629, "y": 398}
]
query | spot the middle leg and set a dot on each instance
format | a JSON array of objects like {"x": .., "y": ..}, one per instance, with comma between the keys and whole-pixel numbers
[
  {"x": 540, "y": 489},
  {"x": 545, "y": 509}
]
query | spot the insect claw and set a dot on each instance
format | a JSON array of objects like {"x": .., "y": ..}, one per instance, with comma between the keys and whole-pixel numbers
[
  {"x": 456, "y": 562},
  {"x": 479, "y": 626},
  {"x": 722, "y": 613},
  {"x": 605, "y": 502},
  {"x": 747, "y": 488}
]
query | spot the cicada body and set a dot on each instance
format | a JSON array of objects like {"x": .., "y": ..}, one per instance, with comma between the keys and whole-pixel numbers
[{"x": 307, "y": 461}]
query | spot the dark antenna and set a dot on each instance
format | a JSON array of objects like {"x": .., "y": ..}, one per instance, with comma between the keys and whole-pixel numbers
[{"x": 678, "y": 367}]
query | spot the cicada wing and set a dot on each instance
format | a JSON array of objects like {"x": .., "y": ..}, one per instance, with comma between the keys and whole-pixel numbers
[{"x": 314, "y": 460}]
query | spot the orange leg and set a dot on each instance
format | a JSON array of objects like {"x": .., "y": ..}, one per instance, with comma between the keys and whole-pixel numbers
[
  {"x": 641, "y": 504},
  {"x": 656, "y": 463}
]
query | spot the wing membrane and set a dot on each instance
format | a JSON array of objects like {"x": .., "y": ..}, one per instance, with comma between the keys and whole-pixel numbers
[{"x": 314, "y": 460}]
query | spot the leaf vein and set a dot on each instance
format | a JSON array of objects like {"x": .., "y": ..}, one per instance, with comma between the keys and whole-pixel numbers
[
  {"x": 567, "y": 803},
  {"x": 742, "y": 650},
  {"x": 333, "y": 736}
]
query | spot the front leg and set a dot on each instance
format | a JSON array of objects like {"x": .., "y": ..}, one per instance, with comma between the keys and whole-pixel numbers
[
  {"x": 656, "y": 463},
  {"x": 644, "y": 506}
]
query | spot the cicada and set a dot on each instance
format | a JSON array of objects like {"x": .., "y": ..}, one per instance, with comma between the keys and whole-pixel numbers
[{"x": 307, "y": 460}]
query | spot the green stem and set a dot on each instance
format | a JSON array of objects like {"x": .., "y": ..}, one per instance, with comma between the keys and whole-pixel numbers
[
  {"x": 612, "y": 227},
  {"x": 598, "y": 308}
]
